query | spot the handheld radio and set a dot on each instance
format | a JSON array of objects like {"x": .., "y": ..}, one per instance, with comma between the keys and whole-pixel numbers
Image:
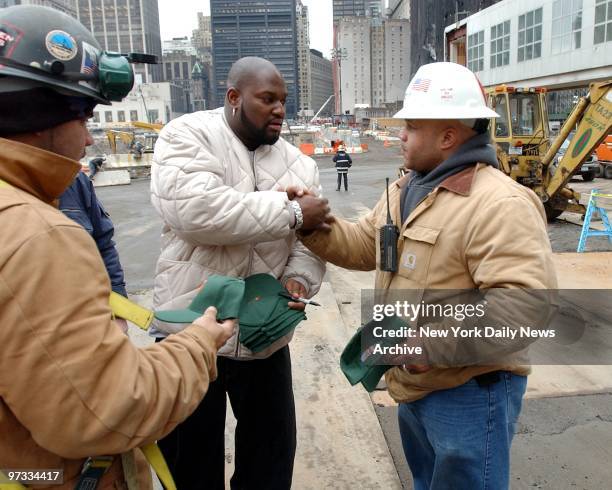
[{"x": 389, "y": 234}]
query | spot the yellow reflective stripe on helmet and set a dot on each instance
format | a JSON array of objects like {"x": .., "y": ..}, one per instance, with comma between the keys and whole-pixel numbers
[{"x": 124, "y": 308}]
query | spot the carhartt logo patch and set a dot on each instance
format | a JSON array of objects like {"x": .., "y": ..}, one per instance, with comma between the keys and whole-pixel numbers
[{"x": 410, "y": 261}]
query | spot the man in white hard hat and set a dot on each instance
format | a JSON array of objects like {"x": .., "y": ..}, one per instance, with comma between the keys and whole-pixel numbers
[{"x": 463, "y": 225}]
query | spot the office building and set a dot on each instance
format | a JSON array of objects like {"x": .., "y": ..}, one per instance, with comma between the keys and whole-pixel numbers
[
  {"x": 126, "y": 26},
  {"x": 255, "y": 28}
]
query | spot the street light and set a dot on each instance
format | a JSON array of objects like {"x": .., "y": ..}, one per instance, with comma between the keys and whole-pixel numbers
[{"x": 337, "y": 55}]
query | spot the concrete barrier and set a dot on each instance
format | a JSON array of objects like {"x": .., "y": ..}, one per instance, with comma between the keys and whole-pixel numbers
[{"x": 111, "y": 177}]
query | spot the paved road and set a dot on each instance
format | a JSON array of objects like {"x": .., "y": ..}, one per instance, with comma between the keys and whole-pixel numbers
[{"x": 563, "y": 442}]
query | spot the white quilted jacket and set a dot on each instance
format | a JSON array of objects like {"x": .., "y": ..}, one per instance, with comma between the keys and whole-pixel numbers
[{"x": 223, "y": 214}]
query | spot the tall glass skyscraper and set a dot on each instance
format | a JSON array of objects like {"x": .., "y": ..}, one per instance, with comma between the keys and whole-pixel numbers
[
  {"x": 264, "y": 28},
  {"x": 125, "y": 26}
]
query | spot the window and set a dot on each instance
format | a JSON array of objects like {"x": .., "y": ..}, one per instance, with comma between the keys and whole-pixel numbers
[
  {"x": 476, "y": 51},
  {"x": 133, "y": 115},
  {"x": 603, "y": 21},
  {"x": 153, "y": 115},
  {"x": 96, "y": 117},
  {"x": 500, "y": 44},
  {"x": 108, "y": 116},
  {"x": 177, "y": 70},
  {"x": 168, "y": 71},
  {"x": 525, "y": 115},
  {"x": 121, "y": 116},
  {"x": 500, "y": 105},
  {"x": 530, "y": 35},
  {"x": 566, "y": 25}
]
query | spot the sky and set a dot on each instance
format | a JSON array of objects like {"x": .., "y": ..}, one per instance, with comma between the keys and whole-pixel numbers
[{"x": 178, "y": 18}]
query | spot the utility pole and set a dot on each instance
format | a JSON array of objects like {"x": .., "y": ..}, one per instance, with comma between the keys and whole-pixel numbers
[{"x": 337, "y": 55}]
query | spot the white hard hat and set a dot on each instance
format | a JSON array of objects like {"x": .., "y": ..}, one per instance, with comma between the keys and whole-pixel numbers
[{"x": 444, "y": 91}]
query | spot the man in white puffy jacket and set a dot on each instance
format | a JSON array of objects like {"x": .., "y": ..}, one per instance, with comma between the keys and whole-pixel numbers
[{"x": 216, "y": 182}]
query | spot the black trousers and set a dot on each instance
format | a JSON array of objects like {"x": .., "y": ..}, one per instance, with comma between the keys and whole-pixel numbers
[
  {"x": 345, "y": 174},
  {"x": 261, "y": 396}
]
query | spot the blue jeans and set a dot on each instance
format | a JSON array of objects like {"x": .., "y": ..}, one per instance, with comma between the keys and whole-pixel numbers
[{"x": 460, "y": 438}]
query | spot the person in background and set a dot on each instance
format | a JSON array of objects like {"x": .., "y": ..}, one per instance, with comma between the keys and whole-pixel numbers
[
  {"x": 71, "y": 385},
  {"x": 215, "y": 183},
  {"x": 95, "y": 165},
  {"x": 343, "y": 162},
  {"x": 456, "y": 422}
]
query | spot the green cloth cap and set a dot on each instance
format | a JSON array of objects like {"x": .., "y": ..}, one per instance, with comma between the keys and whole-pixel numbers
[
  {"x": 265, "y": 315},
  {"x": 259, "y": 301},
  {"x": 224, "y": 293},
  {"x": 354, "y": 368}
]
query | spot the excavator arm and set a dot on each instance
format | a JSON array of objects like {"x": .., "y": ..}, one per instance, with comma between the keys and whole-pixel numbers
[{"x": 593, "y": 114}]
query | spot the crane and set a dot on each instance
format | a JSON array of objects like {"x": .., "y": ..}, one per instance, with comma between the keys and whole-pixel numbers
[{"x": 322, "y": 107}]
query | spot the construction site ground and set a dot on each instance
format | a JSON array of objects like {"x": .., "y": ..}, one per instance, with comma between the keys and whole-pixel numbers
[{"x": 350, "y": 439}]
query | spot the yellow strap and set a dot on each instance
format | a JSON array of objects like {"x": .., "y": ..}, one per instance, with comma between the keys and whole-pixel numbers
[
  {"x": 3, "y": 184},
  {"x": 156, "y": 460},
  {"x": 124, "y": 308},
  {"x": 142, "y": 317}
]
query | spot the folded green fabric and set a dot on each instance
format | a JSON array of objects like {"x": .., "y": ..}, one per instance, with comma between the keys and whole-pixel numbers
[
  {"x": 257, "y": 301},
  {"x": 265, "y": 341},
  {"x": 358, "y": 365}
]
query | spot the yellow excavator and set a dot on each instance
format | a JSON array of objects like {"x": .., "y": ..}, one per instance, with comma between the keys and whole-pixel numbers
[
  {"x": 154, "y": 126},
  {"x": 133, "y": 141},
  {"x": 529, "y": 155}
]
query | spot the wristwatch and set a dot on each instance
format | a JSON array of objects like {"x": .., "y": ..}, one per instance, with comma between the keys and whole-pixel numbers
[{"x": 297, "y": 211}]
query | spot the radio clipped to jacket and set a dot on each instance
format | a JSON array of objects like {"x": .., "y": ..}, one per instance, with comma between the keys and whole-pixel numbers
[{"x": 389, "y": 235}]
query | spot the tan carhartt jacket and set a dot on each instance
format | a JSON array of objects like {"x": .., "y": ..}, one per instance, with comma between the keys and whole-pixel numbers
[
  {"x": 71, "y": 384},
  {"x": 478, "y": 229}
]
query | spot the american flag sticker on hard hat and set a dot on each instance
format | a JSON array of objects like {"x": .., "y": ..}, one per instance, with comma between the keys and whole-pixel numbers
[
  {"x": 421, "y": 84},
  {"x": 89, "y": 64}
]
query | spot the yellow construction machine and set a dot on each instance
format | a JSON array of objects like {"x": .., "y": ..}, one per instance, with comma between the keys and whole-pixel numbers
[
  {"x": 154, "y": 126},
  {"x": 138, "y": 144},
  {"x": 529, "y": 155}
]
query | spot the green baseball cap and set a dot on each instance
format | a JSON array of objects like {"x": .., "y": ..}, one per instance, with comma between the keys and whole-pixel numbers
[
  {"x": 224, "y": 293},
  {"x": 358, "y": 365},
  {"x": 259, "y": 302},
  {"x": 265, "y": 315}
]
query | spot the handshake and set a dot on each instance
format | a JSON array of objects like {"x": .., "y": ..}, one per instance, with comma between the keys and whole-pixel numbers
[{"x": 315, "y": 210}]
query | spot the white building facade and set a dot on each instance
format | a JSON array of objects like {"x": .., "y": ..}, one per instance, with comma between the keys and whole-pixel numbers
[
  {"x": 151, "y": 102},
  {"x": 355, "y": 69},
  {"x": 375, "y": 61},
  {"x": 397, "y": 59},
  {"x": 549, "y": 43}
]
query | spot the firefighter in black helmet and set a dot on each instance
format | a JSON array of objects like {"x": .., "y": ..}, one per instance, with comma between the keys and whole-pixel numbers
[{"x": 72, "y": 386}]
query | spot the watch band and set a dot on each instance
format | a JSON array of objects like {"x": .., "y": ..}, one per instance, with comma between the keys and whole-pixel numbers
[{"x": 299, "y": 217}]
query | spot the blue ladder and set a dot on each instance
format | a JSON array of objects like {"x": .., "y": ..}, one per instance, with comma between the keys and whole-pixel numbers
[{"x": 586, "y": 227}]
